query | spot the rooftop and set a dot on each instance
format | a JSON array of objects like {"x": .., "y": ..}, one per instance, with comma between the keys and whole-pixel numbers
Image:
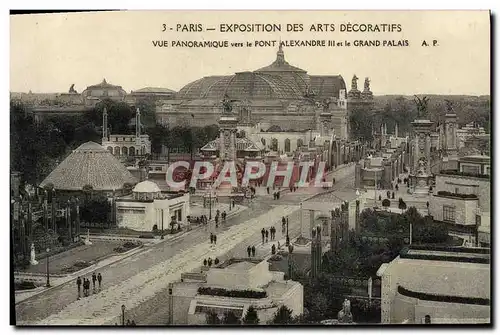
[{"x": 89, "y": 164}]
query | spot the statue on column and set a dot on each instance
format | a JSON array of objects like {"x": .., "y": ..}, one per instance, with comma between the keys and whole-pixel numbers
[
  {"x": 367, "y": 84},
  {"x": 421, "y": 104},
  {"x": 72, "y": 89},
  {"x": 227, "y": 105},
  {"x": 354, "y": 83},
  {"x": 449, "y": 106},
  {"x": 33, "y": 260}
]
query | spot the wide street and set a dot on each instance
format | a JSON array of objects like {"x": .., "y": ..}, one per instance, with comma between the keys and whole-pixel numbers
[{"x": 139, "y": 282}]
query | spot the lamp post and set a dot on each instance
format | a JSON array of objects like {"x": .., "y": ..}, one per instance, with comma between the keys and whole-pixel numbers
[
  {"x": 48, "y": 275},
  {"x": 287, "y": 236},
  {"x": 290, "y": 251},
  {"x": 210, "y": 203},
  {"x": 123, "y": 315},
  {"x": 162, "y": 237}
]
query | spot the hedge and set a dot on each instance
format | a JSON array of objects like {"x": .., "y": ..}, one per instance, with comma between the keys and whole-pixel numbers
[{"x": 232, "y": 293}]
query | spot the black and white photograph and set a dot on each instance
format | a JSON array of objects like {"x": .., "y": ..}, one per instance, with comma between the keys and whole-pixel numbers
[{"x": 250, "y": 168}]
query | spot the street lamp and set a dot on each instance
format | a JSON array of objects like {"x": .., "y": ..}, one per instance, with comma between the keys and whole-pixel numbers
[
  {"x": 123, "y": 315},
  {"x": 287, "y": 237},
  {"x": 290, "y": 251},
  {"x": 48, "y": 275},
  {"x": 210, "y": 203},
  {"x": 162, "y": 237}
]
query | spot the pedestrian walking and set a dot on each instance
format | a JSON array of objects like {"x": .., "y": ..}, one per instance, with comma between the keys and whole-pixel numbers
[
  {"x": 94, "y": 279},
  {"x": 85, "y": 287},
  {"x": 211, "y": 238},
  {"x": 233, "y": 203},
  {"x": 99, "y": 279},
  {"x": 273, "y": 249},
  {"x": 205, "y": 262},
  {"x": 249, "y": 251},
  {"x": 224, "y": 216},
  {"x": 79, "y": 285},
  {"x": 267, "y": 235},
  {"x": 209, "y": 261},
  {"x": 253, "y": 251},
  {"x": 215, "y": 239},
  {"x": 263, "y": 233}
]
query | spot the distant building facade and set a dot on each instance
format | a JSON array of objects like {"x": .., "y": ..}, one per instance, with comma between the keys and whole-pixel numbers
[
  {"x": 279, "y": 95},
  {"x": 437, "y": 285},
  {"x": 95, "y": 93},
  {"x": 462, "y": 197},
  {"x": 148, "y": 208}
]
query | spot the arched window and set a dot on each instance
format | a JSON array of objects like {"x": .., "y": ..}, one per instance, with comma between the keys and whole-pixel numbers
[
  {"x": 300, "y": 143},
  {"x": 274, "y": 144},
  {"x": 263, "y": 140},
  {"x": 110, "y": 149},
  {"x": 287, "y": 145},
  {"x": 117, "y": 151},
  {"x": 124, "y": 151},
  {"x": 131, "y": 151}
]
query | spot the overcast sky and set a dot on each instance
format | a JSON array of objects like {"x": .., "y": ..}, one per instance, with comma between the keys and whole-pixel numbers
[{"x": 49, "y": 52}]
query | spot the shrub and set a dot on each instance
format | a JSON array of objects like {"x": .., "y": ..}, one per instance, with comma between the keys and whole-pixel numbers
[
  {"x": 457, "y": 195},
  {"x": 232, "y": 293},
  {"x": 24, "y": 285}
]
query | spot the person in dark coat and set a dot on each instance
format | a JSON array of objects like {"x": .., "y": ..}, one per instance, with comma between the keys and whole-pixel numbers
[
  {"x": 85, "y": 287},
  {"x": 209, "y": 262},
  {"x": 273, "y": 249},
  {"x": 99, "y": 279},
  {"x": 79, "y": 285},
  {"x": 253, "y": 251},
  {"x": 249, "y": 251},
  {"x": 94, "y": 279},
  {"x": 263, "y": 233},
  {"x": 268, "y": 190},
  {"x": 205, "y": 262},
  {"x": 211, "y": 238},
  {"x": 267, "y": 235},
  {"x": 215, "y": 239}
]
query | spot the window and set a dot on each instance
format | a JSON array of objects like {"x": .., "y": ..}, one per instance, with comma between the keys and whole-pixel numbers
[{"x": 449, "y": 213}]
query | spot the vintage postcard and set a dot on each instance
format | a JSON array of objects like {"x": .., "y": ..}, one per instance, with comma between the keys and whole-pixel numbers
[{"x": 250, "y": 168}]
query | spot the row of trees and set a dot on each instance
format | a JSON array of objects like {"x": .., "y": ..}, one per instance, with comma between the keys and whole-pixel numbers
[{"x": 37, "y": 147}]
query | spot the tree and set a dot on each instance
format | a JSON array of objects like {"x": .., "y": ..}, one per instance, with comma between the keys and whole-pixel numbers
[
  {"x": 251, "y": 317},
  {"x": 230, "y": 318},
  {"x": 96, "y": 209},
  {"x": 283, "y": 316},
  {"x": 212, "y": 318},
  {"x": 386, "y": 203}
]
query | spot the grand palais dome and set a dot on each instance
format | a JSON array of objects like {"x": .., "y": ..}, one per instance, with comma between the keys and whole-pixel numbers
[{"x": 278, "y": 81}]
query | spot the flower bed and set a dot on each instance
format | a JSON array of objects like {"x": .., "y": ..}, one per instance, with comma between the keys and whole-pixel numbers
[
  {"x": 232, "y": 293},
  {"x": 126, "y": 246},
  {"x": 24, "y": 285},
  {"x": 457, "y": 195},
  {"x": 77, "y": 266}
]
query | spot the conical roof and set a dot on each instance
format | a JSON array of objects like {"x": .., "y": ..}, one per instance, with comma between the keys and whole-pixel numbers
[{"x": 89, "y": 164}]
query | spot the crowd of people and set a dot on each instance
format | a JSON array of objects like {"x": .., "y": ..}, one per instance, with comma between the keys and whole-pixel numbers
[{"x": 85, "y": 284}]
